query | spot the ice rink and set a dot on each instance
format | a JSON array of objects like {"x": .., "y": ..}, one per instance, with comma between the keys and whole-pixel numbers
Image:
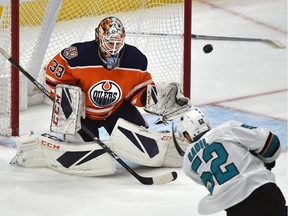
[{"x": 244, "y": 81}]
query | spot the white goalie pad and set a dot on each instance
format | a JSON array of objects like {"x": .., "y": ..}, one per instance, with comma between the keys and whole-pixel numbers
[
  {"x": 167, "y": 101},
  {"x": 68, "y": 108},
  {"x": 29, "y": 152},
  {"x": 141, "y": 146},
  {"x": 46, "y": 150},
  {"x": 84, "y": 159}
]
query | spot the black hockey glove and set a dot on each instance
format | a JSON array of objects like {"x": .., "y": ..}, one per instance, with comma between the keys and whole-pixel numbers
[{"x": 271, "y": 165}]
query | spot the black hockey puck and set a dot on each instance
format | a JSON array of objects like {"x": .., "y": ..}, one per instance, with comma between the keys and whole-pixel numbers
[{"x": 207, "y": 48}]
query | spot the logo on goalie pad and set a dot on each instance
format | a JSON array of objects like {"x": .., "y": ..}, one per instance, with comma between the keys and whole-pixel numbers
[
  {"x": 79, "y": 157},
  {"x": 166, "y": 138},
  {"x": 50, "y": 145},
  {"x": 62, "y": 102},
  {"x": 105, "y": 93},
  {"x": 143, "y": 143},
  {"x": 56, "y": 110}
]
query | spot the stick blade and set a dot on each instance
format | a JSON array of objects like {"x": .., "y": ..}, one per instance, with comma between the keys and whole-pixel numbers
[
  {"x": 157, "y": 180},
  {"x": 276, "y": 43},
  {"x": 164, "y": 179}
]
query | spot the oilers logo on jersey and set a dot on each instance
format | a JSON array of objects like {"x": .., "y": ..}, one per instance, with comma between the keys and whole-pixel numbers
[{"x": 105, "y": 93}]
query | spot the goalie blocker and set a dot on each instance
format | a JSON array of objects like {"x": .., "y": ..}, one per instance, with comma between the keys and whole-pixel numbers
[
  {"x": 127, "y": 140},
  {"x": 68, "y": 109}
]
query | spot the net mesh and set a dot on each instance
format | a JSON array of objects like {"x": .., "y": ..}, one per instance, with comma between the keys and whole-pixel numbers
[{"x": 48, "y": 26}]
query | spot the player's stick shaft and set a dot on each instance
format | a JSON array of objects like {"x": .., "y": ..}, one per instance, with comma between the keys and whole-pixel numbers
[{"x": 273, "y": 42}]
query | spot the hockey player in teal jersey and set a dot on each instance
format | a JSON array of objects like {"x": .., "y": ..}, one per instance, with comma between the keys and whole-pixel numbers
[{"x": 233, "y": 161}]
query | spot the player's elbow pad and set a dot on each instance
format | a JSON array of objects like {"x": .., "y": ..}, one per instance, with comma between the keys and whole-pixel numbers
[{"x": 271, "y": 150}]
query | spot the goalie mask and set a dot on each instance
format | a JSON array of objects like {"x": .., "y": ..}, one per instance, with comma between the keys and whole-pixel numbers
[
  {"x": 110, "y": 35},
  {"x": 193, "y": 125}
]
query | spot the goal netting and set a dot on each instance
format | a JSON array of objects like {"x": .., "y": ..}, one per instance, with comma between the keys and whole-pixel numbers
[{"x": 156, "y": 27}]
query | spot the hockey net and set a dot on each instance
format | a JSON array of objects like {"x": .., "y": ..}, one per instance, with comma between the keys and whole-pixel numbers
[{"x": 156, "y": 27}]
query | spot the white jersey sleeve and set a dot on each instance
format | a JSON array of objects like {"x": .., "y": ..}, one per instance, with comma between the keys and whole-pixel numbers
[
  {"x": 258, "y": 140},
  {"x": 222, "y": 162}
]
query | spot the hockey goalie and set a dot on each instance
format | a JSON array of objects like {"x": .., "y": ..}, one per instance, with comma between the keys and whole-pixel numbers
[{"x": 64, "y": 149}]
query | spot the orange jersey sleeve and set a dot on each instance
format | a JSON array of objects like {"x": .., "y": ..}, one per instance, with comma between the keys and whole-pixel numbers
[{"x": 58, "y": 71}]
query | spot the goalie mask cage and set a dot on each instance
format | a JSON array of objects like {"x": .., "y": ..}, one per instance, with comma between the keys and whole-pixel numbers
[{"x": 33, "y": 31}]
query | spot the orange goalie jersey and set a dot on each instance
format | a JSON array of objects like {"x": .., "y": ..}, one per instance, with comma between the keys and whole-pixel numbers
[{"x": 104, "y": 89}]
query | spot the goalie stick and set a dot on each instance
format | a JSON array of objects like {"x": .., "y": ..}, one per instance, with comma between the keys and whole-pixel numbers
[
  {"x": 163, "y": 179},
  {"x": 273, "y": 42},
  {"x": 177, "y": 146}
]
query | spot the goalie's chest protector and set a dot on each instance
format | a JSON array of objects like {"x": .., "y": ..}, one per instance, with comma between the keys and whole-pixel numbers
[{"x": 104, "y": 89}]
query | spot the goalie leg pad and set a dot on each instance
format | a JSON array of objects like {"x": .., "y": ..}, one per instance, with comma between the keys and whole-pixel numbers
[
  {"x": 29, "y": 152},
  {"x": 172, "y": 157},
  {"x": 137, "y": 144},
  {"x": 141, "y": 146},
  {"x": 84, "y": 159}
]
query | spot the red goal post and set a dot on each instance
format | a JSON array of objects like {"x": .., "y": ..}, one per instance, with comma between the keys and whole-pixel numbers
[{"x": 161, "y": 29}]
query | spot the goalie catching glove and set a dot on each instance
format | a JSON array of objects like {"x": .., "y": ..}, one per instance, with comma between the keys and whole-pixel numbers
[{"x": 167, "y": 101}]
